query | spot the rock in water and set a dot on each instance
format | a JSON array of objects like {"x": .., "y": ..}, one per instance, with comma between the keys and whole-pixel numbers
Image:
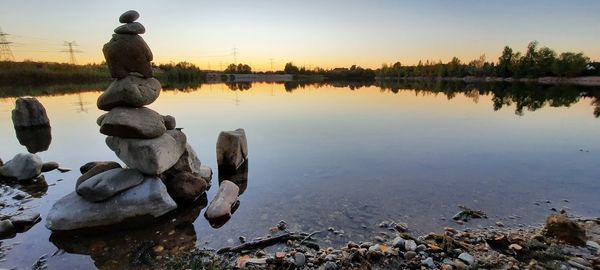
[
  {"x": 109, "y": 183},
  {"x": 134, "y": 28},
  {"x": 97, "y": 169},
  {"x": 50, "y": 166},
  {"x": 185, "y": 187},
  {"x": 88, "y": 166},
  {"x": 29, "y": 112},
  {"x": 139, "y": 123},
  {"x": 128, "y": 53},
  {"x": 23, "y": 166},
  {"x": 150, "y": 198},
  {"x": 564, "y": 229},
  {"x": 129, "y": 16},
  {"x": 35, "y": 139},
  {"x": 220, "y": 207},
  {"x": 151, "y": 156},
  {"x": 130, "y": 91},
  {"x": 232, "y": 150},
  {"x": 24, "y": 220},
  {"x": 7, "y": 229}
]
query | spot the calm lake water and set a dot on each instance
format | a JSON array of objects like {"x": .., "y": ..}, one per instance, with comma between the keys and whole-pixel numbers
[{"x": 339, "y": 156}]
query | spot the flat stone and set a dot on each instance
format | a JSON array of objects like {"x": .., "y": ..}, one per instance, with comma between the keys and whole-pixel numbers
[
  {"x": 109, "y": 183},
  {"x": 138, "y": 123},
  {"x": 25, "y": 219},
  {"x": 129, "y": 16},
  {"x": 50, "y": 166},
  {"x": 185, "y": 187},
  {"x": 7, "y": 229},
  {"x": 128, "y": 53},
  {"x": 23, "y": 166},
  {"x": 150, "y": 198},
  {"x": 29, "y": 112},
  {"x": 467, "y": 258},
  {"x": 232, "y": 150},
  {"x": 170, "y": 122},
  {"x": 220, "y": 207},
  {"x": 99, "y": 167},
  {"x": 410, "y": 245},
  {"x": 134, "y": 28},
  {"x": 88, "y": 166},
  {"x": 130, "y": 91},
  {"x": 150, "y": 156}
]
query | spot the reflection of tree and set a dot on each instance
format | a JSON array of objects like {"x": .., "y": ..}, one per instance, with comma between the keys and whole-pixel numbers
[{"x": 239, "y": 86}]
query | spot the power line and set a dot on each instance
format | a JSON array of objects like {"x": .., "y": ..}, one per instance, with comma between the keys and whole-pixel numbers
[
  {"x": 71, "y": 51},
  {"x": 5, "y": 51}
]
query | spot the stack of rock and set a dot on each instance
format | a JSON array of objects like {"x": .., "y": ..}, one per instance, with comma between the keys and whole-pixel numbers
[{"x": 162, "y": 170}]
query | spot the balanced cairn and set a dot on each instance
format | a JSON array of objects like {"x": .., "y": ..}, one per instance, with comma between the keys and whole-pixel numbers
[{"x": 162, "y": 170}]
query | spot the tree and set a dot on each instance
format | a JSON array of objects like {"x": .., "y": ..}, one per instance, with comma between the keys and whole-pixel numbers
[
  {"x": 505, "y": 63},
  {"x": 290, "y": 68},
  {"x": 570, "y": 64}
]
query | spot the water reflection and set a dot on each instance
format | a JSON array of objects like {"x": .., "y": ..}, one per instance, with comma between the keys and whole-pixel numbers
[
  {"x": 135, "y": 247},
  {"x": 35, "y": 139}
]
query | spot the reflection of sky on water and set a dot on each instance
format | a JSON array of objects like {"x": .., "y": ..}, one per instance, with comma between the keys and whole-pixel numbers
[{"x": 335, "y": 157}]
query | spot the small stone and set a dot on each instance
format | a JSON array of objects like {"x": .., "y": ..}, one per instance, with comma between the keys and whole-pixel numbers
[
  {"x": 129, "y": 16},
  {"x": 428, "y": 262},
  {"x": 50, "y": 166},
  {"x": 88, "y": 166},
  {"x": 23, "y": 166},
  {"x": 398, "y": 242},
  {"x": 467, "y": 258},
  {"x": 99, "y": 168},
  {"x": 515, "y": 247},
  {"x": 242, "y": 239},
  {"x": 7, "y": 229},
  {"x": 299, "y": 259},
  {"x": 593, "y": 245},
  {"x": 158, "y": 249},
  {"x": 410, "y": 245},
  {"x": 499, "y": 224},
  {"x": 401, "y": 227},
  {"x": 134, "y": 28},
  {"x": 330, "y": 266},
  {"x": 170, "y": 122},
  {"x": 220, "y": 207},
  {"x": 279, "y": 255},
  {"x": 409, "y": 255},
  {"x": 25, "y": 219},
  {"x": 446, "y": 267}
]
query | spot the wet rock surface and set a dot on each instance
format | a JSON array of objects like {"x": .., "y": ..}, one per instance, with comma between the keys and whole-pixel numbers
[{"x": 185, "y": 187}]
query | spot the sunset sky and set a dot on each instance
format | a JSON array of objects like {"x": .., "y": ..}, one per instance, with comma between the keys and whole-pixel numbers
[{"x": 309, "y": 33}]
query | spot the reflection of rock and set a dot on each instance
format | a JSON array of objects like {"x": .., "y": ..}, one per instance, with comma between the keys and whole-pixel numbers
[
  {"x": 170, "y": 235},
  {"x": 150, "y": 198},
  {"x": 232, "y": 150},
  {"x": 7, "y": 230},
  {"x": 25, "y": 220},
  {"x": 222, "y": 206},
  {"x": 29, "y": 112},
  {"x": 36, "y": 139},
  {"x": 37, "y": 187},
  {"x": 239, "y": 177},
  {"x": 23, "y": 166}
]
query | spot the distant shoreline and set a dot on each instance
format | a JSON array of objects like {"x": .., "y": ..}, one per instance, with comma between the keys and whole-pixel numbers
[{"x": 585, "y": 81}]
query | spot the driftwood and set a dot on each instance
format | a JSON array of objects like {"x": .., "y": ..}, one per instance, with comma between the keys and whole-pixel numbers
[{"x": 271, "y": 241}]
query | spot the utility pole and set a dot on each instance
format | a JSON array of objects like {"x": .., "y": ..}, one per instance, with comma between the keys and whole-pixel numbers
[
  {"x": 235, "y": 53},
  {"x": 71, "y": 51},
  {"x": 5, "y": 51}
]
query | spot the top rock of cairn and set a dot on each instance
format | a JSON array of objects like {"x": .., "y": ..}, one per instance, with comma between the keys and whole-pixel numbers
[{"x": 129, "y": 16}]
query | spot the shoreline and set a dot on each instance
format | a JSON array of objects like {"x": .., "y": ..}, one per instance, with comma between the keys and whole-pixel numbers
[{"x": 582, "y": 81}]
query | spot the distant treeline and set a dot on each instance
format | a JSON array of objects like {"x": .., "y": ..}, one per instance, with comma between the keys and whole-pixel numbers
[
  {"x": 534, "y": 63},
  {"x": 39, "y": 73}
]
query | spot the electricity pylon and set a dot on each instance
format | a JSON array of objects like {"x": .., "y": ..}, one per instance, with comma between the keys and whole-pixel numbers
[
  {"x": 71, "y": 51},
  {"x": 5, "y": 51}
]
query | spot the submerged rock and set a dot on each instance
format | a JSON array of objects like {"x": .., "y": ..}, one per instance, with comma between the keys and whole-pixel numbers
[
  {"x": 150, "y": 198},
  {"x": 29, "y": 112},
  {"x": 564, "y": 229},
  {"x": 185, "y": 187},
  {"x": 109, "y": 183},
  {"x": 138, "y": 123},
  {"x": 150, "y": 156},
  {"x": 128, "y": 53},
  {"x": 130, "y": 91},
  {"x": 232, "y": 150},
  {"x": 220, "y": 207},
  {"x": 23, "y": 166}
]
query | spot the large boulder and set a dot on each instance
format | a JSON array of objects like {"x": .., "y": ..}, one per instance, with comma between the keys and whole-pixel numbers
[
  {"x": 185, "y": 187},
  {"x": 29, "y": 112},
  {"x": 109, "y": 183},
  {"x": 148, "y": 199},
  {"x": 23, "y": 166},
  {"x": 128, "y": 53},
  {"x": 150, "y": 156},
  {"x": 138, "y": 123},
  {"x": 221, "y": 206},
  {"x": 35, "y": 139},
  {"x": 232, "y": 150},
  {"x": 97, "y": 168},
  {"x": 130, "y": 91}
]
